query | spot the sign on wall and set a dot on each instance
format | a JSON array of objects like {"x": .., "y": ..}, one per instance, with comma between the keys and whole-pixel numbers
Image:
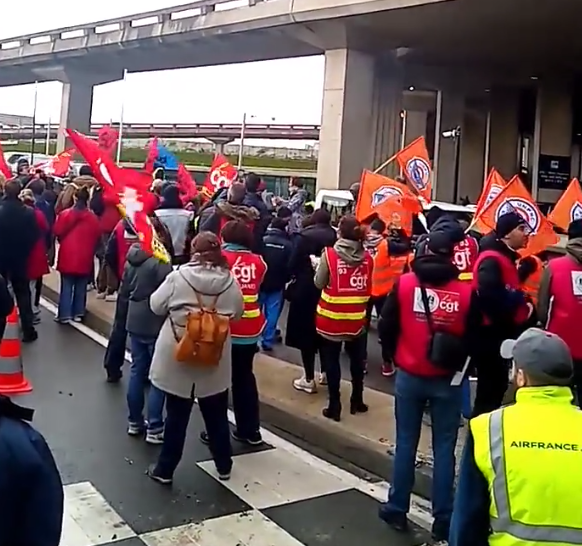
[{"x": 554, "y": 172}]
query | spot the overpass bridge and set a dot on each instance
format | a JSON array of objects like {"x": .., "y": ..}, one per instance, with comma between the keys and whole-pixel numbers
[
  {"x": 480, "y": 62},
  {"x": 216, "y": 132}
]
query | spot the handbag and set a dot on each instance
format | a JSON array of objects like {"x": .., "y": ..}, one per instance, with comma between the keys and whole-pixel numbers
[{"x": 445, "y": 350}]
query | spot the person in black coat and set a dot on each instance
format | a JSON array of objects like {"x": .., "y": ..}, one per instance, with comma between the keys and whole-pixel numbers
[
  {"x": 19, "y": 233},
  {"x": 31, "y": 490},
  {"x": 499, "y": 303},
  {"x": 302, "y": 294},
  {"x": 276, "y": 252}
]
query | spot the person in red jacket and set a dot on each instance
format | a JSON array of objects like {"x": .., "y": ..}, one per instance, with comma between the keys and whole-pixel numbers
[
  {"x": 77, "y": 232},
  {"x": 37, "y": 265},
  {"x": 106, "y": 210},
  {"x": 427, "y": 362},
  {"x": 560, "y": 300}
]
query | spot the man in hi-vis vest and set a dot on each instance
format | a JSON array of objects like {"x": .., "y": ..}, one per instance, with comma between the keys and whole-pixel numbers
[{"x": 520, "y": 481}]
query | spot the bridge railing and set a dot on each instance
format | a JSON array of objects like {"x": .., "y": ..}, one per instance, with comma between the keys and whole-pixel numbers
[
  {"x": 177, "y": 127},
  {"x": 186, "y": 11}
]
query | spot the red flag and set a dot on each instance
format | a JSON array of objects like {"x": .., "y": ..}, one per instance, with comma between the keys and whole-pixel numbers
[
  {"x": 186, "y": 185},
  {"x": 221, "y": 175},
  {"x": 126, "y": 187},
  {"x": 4, "y": 167},
  {"x": 59, "y": 165},
  {"x": 107, "y": 139},
  {"x": 152, "y": 156}
]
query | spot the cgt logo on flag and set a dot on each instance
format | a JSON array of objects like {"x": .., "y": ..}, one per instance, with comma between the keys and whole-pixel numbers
[
  {"x": 418, "y": 172},
  {"x": 576, "y": 211},
  {"x": 524, "y": 208},
  {"x": 385, "y": 192}
]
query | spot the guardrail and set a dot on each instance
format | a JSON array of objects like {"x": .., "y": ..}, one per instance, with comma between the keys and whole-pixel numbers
[{"x": 156, "y": 17}]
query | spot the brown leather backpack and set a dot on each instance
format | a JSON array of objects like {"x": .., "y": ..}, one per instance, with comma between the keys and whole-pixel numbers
[{"x": 205, "y": 334}]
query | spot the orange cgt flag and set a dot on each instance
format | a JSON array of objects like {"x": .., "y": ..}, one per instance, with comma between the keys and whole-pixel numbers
[
  {"x": 388, "y": 199},
  {"x": 569, "y": 206},
  {"x": 516, "y": 198},
  {"x": 415, "y": 164},
  {"x": 493, "y": 186}
]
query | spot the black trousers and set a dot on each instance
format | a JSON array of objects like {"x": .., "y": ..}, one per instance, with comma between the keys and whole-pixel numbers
[
  {"x": 21, "y": 289},
  {"x": 245, "y": 394},
  {"x": 329, "y": 355},
  {"x": 115, "y": 352},
  {"x": 214, "y": 410},
  {"x": 492, "y": 382},
  {"x": 577, "y": 382},
  {"x": 374, "y": 303}
]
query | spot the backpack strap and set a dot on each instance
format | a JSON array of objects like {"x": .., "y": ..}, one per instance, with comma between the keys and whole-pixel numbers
[{"x": 198, "y": 294}]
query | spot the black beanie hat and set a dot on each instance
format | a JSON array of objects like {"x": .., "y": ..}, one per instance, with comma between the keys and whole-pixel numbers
[
  {"x": 506, "y": 223},
  {"x": 575, "y": 229},
  {"x": 441, "y": 243}
]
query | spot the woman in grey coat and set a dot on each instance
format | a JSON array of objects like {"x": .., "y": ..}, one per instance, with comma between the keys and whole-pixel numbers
[{"x": 206, "y": 275}]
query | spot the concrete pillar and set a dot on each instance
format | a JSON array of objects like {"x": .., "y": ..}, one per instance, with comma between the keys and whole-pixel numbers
[
  {"x": 354, "y": 135},
  {"x": 504, "y": 131},
  {"x": 387, "y": 120},
  {"x": 472, "y": 158},
  {"x": 450, "y": 114},
  {"x": 220, "y": 145},
  {"x": 76, "y": 106},
  {"x": 552, "y": 139},
  {"x": 415, "y": 125}
]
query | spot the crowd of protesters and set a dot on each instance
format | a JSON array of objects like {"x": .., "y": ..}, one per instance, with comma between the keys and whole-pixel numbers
[{"x": 240, "y": 256}]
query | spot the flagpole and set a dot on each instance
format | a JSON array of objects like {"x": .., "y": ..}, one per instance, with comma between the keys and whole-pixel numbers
[
  {"x": 33, "y": 140},
  {"x": 48, "y": 138},
  {"x": 121, "y": 114},
  {"x": 242, "y": 141}
]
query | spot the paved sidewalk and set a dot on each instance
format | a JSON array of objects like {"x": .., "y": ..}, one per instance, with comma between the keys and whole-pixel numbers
[{"x": 364, "y": 440}]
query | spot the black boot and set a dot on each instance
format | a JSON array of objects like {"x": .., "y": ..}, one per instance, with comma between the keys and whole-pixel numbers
[
  {"x": 333, "y": 411},
  {"x": 357, "y": 399}
]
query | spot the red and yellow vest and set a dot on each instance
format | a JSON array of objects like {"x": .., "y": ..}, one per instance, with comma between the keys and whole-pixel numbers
[
  {"x": 387, "y": 269},
  {"x": 342, "y": 307},
  {"x": 249, "y": 270}
]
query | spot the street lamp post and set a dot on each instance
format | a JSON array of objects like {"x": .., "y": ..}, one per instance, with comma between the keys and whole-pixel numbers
[
  {"x": 243, "y": 129},
  {"x": 455, "y": 134},
  {"x": 242, "y": 140}
]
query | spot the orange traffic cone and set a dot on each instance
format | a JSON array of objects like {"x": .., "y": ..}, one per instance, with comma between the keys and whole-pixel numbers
[{"x": 12, "y": 380}]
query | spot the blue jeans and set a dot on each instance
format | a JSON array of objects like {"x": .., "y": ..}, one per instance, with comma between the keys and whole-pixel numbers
[
  {"x": 72, "y": 297},
  {"x": 271, "y": 304},
  {"x": 142, "y": 351},
  {"x": 445, "y": 402}
]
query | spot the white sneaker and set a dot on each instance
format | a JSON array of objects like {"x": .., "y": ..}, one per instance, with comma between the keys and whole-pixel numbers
[
  {"x": 100, "y": 295},
  {"x": 306, "y": 386},
  {"x": 155, "y": 438},
  {"x": 134, "y": 430},
  {"x": 111, "y": 297},
  {"x": 322, "y": 379}
]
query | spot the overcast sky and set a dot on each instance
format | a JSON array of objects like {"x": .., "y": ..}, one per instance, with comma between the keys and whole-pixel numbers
[{"x": 288, "y": 90}]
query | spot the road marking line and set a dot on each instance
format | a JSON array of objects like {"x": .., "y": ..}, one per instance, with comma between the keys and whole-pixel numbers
[{"x": 420, "y": 511}]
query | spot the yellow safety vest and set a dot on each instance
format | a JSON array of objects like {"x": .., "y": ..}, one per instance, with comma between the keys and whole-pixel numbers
[{"x": 530, "y": 454}]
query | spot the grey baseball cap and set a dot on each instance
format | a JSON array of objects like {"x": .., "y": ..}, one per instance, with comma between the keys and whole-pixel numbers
[{"x": 542, "y": 355}]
